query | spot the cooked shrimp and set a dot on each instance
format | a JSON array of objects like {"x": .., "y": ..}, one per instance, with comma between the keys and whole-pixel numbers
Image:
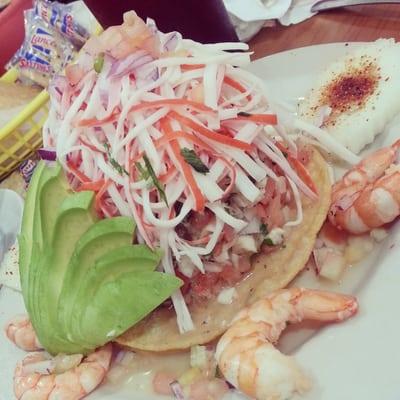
[
  {"x": 368, "y": 196},
  {"x": 122, "y": 40},
  {"x": 73, "y": 384},
  {"x": 20, "y": 331},
  {"x": 246, "y": 354}
]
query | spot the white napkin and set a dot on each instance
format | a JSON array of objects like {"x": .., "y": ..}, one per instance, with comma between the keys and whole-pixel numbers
[
  {"x": 11, "y": 207},
  {"x": 299, "y": 11},
  {"x": 249, "y": 16}
]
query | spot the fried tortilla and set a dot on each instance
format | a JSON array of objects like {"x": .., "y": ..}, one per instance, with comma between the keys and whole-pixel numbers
[{"x": 159, "y": 331}]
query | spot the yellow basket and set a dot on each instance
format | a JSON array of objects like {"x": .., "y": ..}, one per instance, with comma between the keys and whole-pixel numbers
[{"x": 21, "y": 136}]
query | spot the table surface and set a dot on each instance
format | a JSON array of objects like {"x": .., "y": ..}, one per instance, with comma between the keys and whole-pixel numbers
[{"x": 348, "y": 24}]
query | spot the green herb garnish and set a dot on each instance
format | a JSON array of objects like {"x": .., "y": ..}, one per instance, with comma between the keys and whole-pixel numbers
[
  {"x": 243, "y": 114},
  {"x": 268, "y": 241},
  {"x": 114, "y": 163},
  {"x": 144, "y": 173},
  {"x": 153, "y": 177},
  {"x": 194, "y": 160},
  {"x": 99, "y": 63},
  {"x": 264, "y": 229}
]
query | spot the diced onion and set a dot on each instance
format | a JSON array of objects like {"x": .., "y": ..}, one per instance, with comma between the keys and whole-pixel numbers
[{"x": 177, "y": 391}]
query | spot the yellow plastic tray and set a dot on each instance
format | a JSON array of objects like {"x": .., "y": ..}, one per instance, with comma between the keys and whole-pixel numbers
[{"x": 22, "y": 135}]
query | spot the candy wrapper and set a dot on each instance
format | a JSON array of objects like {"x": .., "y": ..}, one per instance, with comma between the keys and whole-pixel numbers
[
  {"x": 54, "y": 32},
  {"x": 18, "y": 181}
]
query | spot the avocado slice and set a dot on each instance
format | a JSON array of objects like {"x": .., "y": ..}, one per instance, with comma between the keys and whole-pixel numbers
[
  {"x": 52, "y": 195},
  {"x": 75, "y": 217},
  {"x": 124, "y": 301},
  {"x": 101, "y": 238},
  {"x": 51, "y": 191},
  {"x": 132, "y": 258},
  {"x": 37, "y": 219},
  {"x": 26, "y": 238}
]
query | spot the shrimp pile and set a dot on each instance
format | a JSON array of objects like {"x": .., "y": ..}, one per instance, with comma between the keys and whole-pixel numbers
[
  {"x": 246, "y": 354},
  {"x": 38, "y": 377},
  {"x": 368, "y": 195},
  {"x": 73, "y": 384}
]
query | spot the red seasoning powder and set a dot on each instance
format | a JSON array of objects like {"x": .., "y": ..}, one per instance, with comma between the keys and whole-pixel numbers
[{"x": 350, "y": 91}]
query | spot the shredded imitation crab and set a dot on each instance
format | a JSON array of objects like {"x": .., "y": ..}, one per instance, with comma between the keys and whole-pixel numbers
[{"x": 161, "y": 127}]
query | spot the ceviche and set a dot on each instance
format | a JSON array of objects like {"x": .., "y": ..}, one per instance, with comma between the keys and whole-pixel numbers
[{"x": 170, "y": 132}]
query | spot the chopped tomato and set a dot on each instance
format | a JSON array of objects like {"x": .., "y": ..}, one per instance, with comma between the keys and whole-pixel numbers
[
  {"x": 270, "y": 188},
  {"x": 202, "y": 285},
  {"x": 274, "y": 211},
  {"x": 218, "y": 249},
  {"x": 271, "y": 214},
  {"x": 199, "y": 220},
  {"x": 261, "y": 212},
  {"x": 230, "y": 275},
  {"x": 228, "y": 234}
]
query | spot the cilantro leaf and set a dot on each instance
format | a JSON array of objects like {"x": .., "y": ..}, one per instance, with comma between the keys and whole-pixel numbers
[
  {"x": 114, "y": 163},
  {"x": 268, "y": 241},
  {"x": 264, "y": 229},
  {"x": 194, "y": 161},
  {"x": 144, "y": 173},
  {"x": 153, "y": 177}
]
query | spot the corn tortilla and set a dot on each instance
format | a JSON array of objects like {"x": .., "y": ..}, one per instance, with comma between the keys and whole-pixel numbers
[{"x": 159, "y": 332}]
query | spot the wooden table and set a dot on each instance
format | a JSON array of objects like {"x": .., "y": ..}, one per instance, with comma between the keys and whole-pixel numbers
[{"x": 359, "y": 23}]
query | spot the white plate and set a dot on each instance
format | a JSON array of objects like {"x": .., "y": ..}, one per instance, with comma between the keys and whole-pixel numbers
[{"x": 356, "y": 360}]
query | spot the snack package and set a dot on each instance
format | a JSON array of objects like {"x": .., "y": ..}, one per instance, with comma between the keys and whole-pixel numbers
[
  {"x": 44, "y": 51},
  {"x": 72, "y": 20},
  {"x": 27, "y": 168},
  {"x": 18, "y": 180},
  {"x": 54, "y": 32}
]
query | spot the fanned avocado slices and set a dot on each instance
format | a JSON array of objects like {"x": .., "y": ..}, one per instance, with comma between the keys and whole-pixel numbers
[{"x": 84, "y": 282}]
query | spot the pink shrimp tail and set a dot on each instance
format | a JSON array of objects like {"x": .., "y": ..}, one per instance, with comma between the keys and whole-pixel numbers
[
  {"x": 396, "y": 144},
  {"x": 325, "y": 306}
]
